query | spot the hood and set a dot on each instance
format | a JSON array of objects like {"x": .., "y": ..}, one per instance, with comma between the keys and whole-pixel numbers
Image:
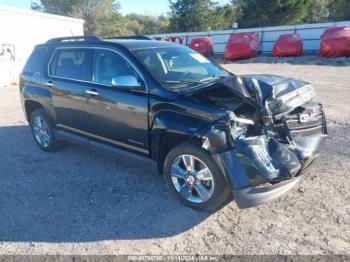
[
  {"x": 272, "y": 94},
  {"x": 278, "y": 94}
]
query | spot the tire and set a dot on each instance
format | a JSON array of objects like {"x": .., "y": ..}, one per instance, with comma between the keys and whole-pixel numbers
[
  {"x": 44, "y": 137},
  {"x": 213, "y": 194}
]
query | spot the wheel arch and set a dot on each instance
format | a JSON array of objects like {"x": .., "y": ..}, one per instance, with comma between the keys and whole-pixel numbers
[
  {"x": 168, "y": 139},
  {"x": 30, "y": 106},
  {"x": 170, "y": 130},
  {"x": 37, "y": 97}
]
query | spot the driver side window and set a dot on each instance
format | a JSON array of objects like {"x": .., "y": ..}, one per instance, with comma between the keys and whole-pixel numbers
[{"x": 108, "y": 65}]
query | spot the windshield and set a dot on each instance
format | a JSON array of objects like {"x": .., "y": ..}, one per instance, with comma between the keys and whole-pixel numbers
[{"x": 179, "y": 67}]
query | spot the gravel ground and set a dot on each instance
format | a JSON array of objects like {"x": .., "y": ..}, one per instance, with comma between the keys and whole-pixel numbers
[{"x": 78, "y": 201}]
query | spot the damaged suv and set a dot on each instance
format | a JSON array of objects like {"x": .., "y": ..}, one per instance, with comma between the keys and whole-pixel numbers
[{"x": 213, "y": 135}]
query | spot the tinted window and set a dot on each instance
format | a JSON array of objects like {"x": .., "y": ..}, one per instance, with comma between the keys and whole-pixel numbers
[
  {"x": 36, "y": 61},
  {"x": 70, "y": 63},
  {"x": 108, "y": 64}
]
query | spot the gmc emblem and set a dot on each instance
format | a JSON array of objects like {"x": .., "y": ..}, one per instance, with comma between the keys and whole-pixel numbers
[{"x": 304, "y": 118}]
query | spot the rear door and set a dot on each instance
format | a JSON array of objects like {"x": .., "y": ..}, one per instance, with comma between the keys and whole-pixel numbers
[
  {"x": 67, "y": 75},
  {"x": 117, "y": 115}
]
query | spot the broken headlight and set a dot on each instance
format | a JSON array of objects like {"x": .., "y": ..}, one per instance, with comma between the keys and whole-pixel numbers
[{"x": 238, "y": 125}]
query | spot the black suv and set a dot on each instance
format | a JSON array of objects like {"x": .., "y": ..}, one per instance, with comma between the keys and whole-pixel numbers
[{"x": 212, "y": 134}]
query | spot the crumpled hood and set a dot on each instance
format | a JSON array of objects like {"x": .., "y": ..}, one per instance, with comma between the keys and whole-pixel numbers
[
  {"x": 278, "y": 94},
  {"x": 272, "y": 94}
]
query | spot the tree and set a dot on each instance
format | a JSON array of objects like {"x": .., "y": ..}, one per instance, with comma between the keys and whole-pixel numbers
[
  {"x": 339, "y": 10},
  {"x": 260, "y": 13},
  {"x": 200, "y": 15},
  {"x": 328, "y": 10},
  {"x": 190, "y": 15},
  {"x": 223, "y": 17},
  {"x": 101, "y": 17},
  {"x": 318, "y": 12},
  {"x": 58, "y": 7},
  {"x": 146, "y": 25}
]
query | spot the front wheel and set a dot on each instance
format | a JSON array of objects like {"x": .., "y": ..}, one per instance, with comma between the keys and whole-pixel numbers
[{"x": 194, "y": 178}]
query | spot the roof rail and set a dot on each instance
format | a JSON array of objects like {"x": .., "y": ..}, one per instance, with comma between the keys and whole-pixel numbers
[
  {"x": 133, "y": 37},
  {"x": 84, "y": 38}
]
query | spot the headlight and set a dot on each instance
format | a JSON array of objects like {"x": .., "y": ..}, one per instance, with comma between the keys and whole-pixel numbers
[
  {"x": 292, "y": 99},
  {"x": 238, "y": 125}
]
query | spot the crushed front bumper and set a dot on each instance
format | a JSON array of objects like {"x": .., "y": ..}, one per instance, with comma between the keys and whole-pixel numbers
[
  {"x": 261, "y": 169},
  {"x": 254, "y": 196}
]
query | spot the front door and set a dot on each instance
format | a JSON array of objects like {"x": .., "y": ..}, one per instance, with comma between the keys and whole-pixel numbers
[{"x": 116, "y": 115}]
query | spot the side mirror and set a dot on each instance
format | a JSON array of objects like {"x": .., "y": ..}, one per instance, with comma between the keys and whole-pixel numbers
[{"x": 128, "y": 81}]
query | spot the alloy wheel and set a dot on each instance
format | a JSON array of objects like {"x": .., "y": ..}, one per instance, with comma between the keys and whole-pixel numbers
[
  {"x": 41, "y": 131},
  {"x": 192, "y": 178}
]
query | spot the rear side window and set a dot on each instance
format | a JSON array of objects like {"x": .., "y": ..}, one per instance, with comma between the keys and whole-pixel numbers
[
  {"x": 70, "y": 63},
  {"x": 36, "y": 61}
]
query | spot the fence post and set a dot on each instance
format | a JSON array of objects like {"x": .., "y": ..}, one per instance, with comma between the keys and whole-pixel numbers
[{"x": 262, "y": 40}]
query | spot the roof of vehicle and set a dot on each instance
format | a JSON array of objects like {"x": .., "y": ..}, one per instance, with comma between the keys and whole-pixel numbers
[
  {"x": 141, "y": 44},
  {"x": 131, "y": 43}
]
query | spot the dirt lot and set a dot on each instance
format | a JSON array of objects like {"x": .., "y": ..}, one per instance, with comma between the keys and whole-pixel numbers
[{"x": 78, "y": 201}]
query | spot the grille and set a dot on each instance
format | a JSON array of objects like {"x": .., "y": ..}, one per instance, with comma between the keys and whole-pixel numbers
[
  {"x": 295, "y": 124},
  {"x": 300, "y": 133},
  {"x": 303, "y": 122}
]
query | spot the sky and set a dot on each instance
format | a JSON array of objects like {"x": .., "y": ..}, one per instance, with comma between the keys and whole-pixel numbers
[{"x": 149, "y": 7}]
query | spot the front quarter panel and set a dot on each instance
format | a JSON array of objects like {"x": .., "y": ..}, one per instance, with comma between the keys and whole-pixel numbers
[{"x": 175, "y": 117}]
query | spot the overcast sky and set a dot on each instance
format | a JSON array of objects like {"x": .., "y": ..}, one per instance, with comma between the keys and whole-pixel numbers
[{"x": 150, "y": 7}]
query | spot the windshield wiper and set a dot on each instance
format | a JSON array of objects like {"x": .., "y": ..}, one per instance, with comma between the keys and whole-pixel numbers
[
  {"x": 214, "y": 78},
  {"x": 182, "y": 82}
]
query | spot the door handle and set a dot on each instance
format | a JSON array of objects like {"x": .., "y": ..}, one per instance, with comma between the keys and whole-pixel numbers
[{"x": 92, "y": 92}]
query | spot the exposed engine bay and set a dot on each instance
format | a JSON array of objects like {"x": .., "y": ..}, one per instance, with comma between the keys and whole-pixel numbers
[{"x": 275, "y": 129}]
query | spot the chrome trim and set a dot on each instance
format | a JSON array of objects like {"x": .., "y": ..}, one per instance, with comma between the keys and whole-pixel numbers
[
  {"x": 145, "y": 151},
  {"x": 92, "y": 47},
  {"x": 49, "y": 84},
  {"x": 90, "y": 92}
]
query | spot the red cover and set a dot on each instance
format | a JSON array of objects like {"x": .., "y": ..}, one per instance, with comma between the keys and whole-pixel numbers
[
  {"x": 335, "y": 42},
  {"x": 181, "y": 40},
  {"x": 203, "y": 45},
  {"x": 242, "y": 45},
  {"x": 288, "y": 45},
  {"x": 173, "y": 39}
]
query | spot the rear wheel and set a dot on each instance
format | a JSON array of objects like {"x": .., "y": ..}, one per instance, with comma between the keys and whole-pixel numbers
[
  {"x": 42, "y": 131},
  {"x": 194, "y": 178}
]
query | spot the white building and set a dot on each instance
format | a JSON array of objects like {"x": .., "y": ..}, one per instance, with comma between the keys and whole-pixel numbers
[{"x": 21, "y": 30}]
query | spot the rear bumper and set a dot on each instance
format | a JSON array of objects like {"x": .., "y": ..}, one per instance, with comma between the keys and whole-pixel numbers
[{"x": 254, "y": 196}]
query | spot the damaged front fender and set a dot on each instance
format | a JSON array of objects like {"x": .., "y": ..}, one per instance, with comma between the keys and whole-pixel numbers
[
  {"x": 257, "y": 160},
  {"x": 260, "y": 169}
]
